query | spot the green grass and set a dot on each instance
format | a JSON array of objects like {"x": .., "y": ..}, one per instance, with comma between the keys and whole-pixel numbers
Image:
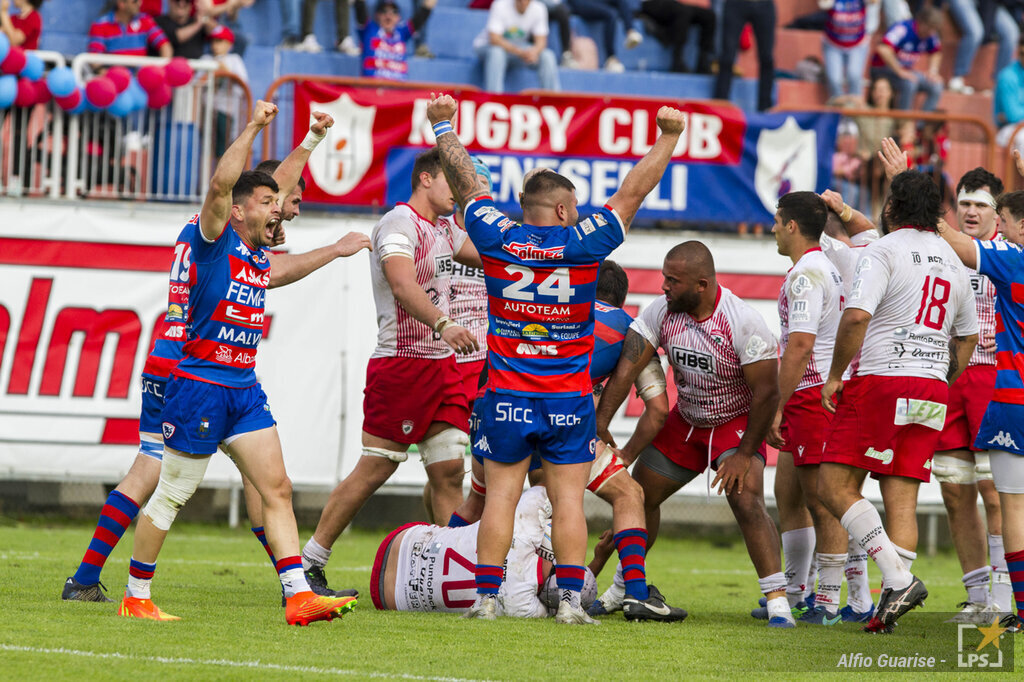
[{"x": 221, "y": 584}]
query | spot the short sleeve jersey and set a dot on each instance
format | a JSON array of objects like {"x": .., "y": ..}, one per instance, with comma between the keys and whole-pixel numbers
[
  {"x": 708, "y": 355},
  {"x": 919, "y": 295},
  {"x": 845, "y": 23},
  {"x": 469, "y": 307},
  {"x": 385, "y": 54},
  {"x": 844, "y": 256},
  {"x": 404, "y": 233},
  {"x": 1003, "y": 263},
  {"x": 810, "y": 301},
  {"x": 610, "y": 327},
  {"x": 907, "y": 43},
  {"x": 541, "y": 287},
  {"x": 31, "y": 26},
  {"x": 436, "y": 564},
  {"x": 141, "y": 35},
  {"x": 224, "y": 323},
  {"x": 167, "y": 349},
  {"x": 985, "y": 301}
]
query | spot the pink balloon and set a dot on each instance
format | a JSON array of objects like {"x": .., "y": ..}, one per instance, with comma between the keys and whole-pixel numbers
[
  {"x": 178, "y": 72},
  {"x": 120, "y": 77},
  {"x": 71, "y": 101},
  {"x": 158, "y": 99},
  {"x": 151, "y": 78},
  {"x": 14, "y": 62},
  {"x": 100, "y": 92},
  {"x": 42, "y": 91},
  {"x": 26, "y": 96}
]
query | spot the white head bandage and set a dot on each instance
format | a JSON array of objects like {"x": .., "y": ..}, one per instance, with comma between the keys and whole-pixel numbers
[{"x": 978, "y": 196}]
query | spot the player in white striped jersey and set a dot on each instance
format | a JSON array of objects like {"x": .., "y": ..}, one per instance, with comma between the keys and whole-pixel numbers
[
  {"x": 724, "y": 360},
  {"x": 962, "y": 470},
  {"x": 910, "y": 299},
  {"x": 413, "y": 387},
  {"x": 810, "y": 302}
]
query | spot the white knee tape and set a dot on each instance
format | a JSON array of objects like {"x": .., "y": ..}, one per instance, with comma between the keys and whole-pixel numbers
[
  {"x": 982, "y": 466},
  {"x": 606, "y": 465},
  {"x": 179, "y": 478},
  {"x": 947, "y": 469},
  {"x": 651, "y": 381},
  {"x": 445, "y": 446},
  {"x": 393, "y": 455}
]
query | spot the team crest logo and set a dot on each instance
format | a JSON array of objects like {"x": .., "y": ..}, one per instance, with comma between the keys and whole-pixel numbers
[
  {"x": 339, "y": 163},
  {"x": 593, "y": 445},
  {"x": 407, "y": 426},
  {"x": 204, "y": 426},
  {"x": 168, "y": 430},
  {"x": 787, "y": 161}
]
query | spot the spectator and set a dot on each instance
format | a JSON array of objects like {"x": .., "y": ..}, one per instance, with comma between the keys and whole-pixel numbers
[
  {"x": 516, "y": 32},
  {"x": 760, "y": 14},
  {"x": 22, "y": 29},
  {"x": 1009, "y": 101},
  {"x": 186, "y": 31},
  {"x": 673, "y": 19},
  {"x": 385, "y": 39},
  {"x": 291, "y": 29},
  {"x": 127, "y": 31},
  {"x": 559, "y": 14},
  {"x": 847, "y": 165},
  {"x": 344, "y": 41},
  {"x": 228, "y": 94},
  {"x": 873, "y": 129},
  {"x": 226, "y": 13},
  {"x": 898, "y": 52},
  {"x": 845, "y": 46},
  {"x": 605, "y": 12},
  {"x": 967, "y": 15}
]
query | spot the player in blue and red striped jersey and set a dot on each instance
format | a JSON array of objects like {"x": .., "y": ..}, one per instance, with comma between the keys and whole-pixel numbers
[
  {"x": 213, "y": 395},
  {"x": 541, "y": 280}
]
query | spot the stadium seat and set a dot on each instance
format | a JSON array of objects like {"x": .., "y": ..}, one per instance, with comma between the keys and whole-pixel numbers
[{"x": 454, "y": 30}]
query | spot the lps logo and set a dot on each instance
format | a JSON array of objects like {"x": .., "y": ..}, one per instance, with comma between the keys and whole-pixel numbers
[{"x": 987, "y": 653}]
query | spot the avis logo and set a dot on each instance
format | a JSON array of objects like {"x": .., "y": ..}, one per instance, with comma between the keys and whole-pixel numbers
[
  {"x": 530, "y": 349},
  {"x": 1004, "y": 440}
]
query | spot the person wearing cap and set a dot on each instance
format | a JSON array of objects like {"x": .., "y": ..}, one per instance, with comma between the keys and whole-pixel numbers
[
  {"x": 385, "y": 38},
  {"x": 187, "y": 31},
  {"x": 228, "y": 94}
]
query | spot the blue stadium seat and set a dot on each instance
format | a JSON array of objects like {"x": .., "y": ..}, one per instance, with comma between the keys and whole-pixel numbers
[
  {"x": 70, "y": 16},
  {"x": 68, "y": 44},
  {"x": 451, "y": 31},
  {"x": 441, "y": 70}
]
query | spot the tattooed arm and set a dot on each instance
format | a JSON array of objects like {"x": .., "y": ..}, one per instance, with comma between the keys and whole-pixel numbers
[
  {"x": 960, "y": 350},
  {"x": 636, "y": 353},
  {"x": 455, "y": 161}
]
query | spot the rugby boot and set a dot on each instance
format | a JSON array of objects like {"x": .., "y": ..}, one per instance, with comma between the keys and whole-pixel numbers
[
  {"x": 76, "y": 591},
  {"x": 134, "y": 607},
  {"x": 894, "y": 603},
  {"x": 485, "y": 608},
  {"x": 306, "y": 607},
  {"x": 652, "y": 608}
]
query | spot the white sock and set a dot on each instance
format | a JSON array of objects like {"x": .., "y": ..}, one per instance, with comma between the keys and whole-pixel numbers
[
  {"x": 858, "y": 590},
  {"x": 812, "y": 574},
  {"x": 139, "y": 587},
  {"x": 1002, "y": 588},
  {"x": 976, "y": 582},
  {"x": 313, "y": 553},
  {"x": 294, "y": 581},
  {"x": 618, "y": 580},
  {"x": 573, "y": 597},
  {"x": 779, "y": 607},
  {"x": 996, "y": 553},
  {"x": 772, "y": 583},
  {"x": 830, "y": 581},
  {"x": 863, "y": 522},
  {"x": 907, "y": 556},
  {"x": 797, "y": 550}
]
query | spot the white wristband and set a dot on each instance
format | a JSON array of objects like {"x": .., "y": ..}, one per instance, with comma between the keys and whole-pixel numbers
[
  {"x": 312, "y": 140},
  {"x": 443, "y": 323}
]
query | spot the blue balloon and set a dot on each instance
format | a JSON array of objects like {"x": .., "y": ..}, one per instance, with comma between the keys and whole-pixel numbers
[
  {"x": 122, "y": 104},
  {"x": 139, "y": 97},
  {"x": 81, "y": 103},
  {"x": 61, "y": 81},
  {"x": 8, "y": 90},
  {"x": 33, "y": 69},
  {"x": 5, "y": 46}
]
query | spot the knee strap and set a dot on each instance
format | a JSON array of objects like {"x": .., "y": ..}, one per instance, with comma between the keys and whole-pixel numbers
[
  {"x": 179, "y": 478},
  {"x": 982, "y": 466},
  {"x": 445, "y": 446},
  {"x": 393, "y": 455},
  {"x": 948, "y": 469}
]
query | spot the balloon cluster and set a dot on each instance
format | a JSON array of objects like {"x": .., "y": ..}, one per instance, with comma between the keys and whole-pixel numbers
[{"x": 116, "y": 91}]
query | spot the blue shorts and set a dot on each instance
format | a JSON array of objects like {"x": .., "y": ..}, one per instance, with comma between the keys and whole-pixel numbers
[
  {"x": 510, "y": 428},
  {"x": 150, "y": 442},
  {"x": 198, "y": 415},
  {"x": 1002, "y": 428}
]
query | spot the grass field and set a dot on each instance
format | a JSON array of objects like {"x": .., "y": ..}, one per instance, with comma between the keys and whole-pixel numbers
[{"x": 221, "y": 584}]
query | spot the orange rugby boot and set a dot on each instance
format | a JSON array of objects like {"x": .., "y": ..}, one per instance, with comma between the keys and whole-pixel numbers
[
  {"x": 133, "y": 607},
  {"x": 306, "y": 607}
]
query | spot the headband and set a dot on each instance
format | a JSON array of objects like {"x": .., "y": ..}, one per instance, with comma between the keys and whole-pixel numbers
[{"x": 979, "y": 196}]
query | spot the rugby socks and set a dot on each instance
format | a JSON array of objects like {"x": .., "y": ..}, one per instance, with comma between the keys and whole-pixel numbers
[
  {"x": 293, "y": 578},
  {"x": 569, "y": 580},
  {"x": 1002, "y": 590},
  {"x": 858, "y": 591},
  {"x": 776, "y": 582},
  {"x": 907, "y": 556},
  {"x": 976, "y": 583},
  {"x": 1015, "y": 565},
  {"x": 117, "y": 514},
  {"x": 457, "y": 521},
  {"x": 797, "y": 550},
  {"x": 863, "y": 522},
  {"x": 830, "y": 581},
  {"x": 812, "y": 574},
  {"x": 262, "y": 537},
  {"x": 488, "y": 579},
  {"x": 313, "y": 553},
  {"x": 631, "y": 545},
  {"x": 140, "y": 577}
]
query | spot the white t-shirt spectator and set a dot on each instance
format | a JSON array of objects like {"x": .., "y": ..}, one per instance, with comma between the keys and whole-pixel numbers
[{"x": 506, "y": 21}]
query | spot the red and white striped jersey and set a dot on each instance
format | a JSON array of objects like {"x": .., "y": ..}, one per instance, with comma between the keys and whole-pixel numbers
[
  {"x": 404, "y": 233},
  {"x": 469, "y": 307},
  {"x": 985, "y": 300},
  {"x": 919, "y": 295},
  {"x": 811, "y": 301},
  {"x": 707, "y": 356}
]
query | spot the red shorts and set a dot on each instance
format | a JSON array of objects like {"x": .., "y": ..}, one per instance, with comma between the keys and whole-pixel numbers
[
  {"x": 471, "y": 379},
  {"x": 888, "y": 425},
  {"x": 968, "y": 399},
  {"x": 804, "y": 426},
  {"x": 691, "y": 447},
  {"x": 404, "y": 396}
]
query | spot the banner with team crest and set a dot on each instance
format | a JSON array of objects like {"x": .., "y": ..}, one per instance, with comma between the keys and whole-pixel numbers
[{"x": 729, "y": 166}]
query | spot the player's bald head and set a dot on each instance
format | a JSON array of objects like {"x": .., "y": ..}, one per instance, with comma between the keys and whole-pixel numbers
[{"x": 695, "y": 256}]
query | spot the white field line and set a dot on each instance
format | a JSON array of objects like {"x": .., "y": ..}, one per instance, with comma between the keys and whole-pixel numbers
[
  {"x": 225, "y": 663},
  {"x": 36, "y": 556}
]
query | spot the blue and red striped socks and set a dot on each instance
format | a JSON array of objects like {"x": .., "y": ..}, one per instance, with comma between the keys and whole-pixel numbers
[
  {"x": 262, "y": 537},
  {"x": 488, "y": 578},
  {"x": 140, "y": 577},
  {"x": 293, "y": 578},
  {"x": 1015, "y": 565},
  {"x": 569, "y": 580},
  {"x": 117, "y": 514},
  {"x": 632, "y": 547}
]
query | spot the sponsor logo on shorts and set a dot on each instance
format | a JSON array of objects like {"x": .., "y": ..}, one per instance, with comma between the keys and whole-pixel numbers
[
  {"x": 800, "y": 450},
  {"x": 923, "y": 412},
  {"x": 593, "y": 445},
  {"x": 883, "y": 456},
  {"x": 482, "y": 445},
  {"x": 535, "y": 331},
  {"x": 407, "y": 426},
  {"x": 204, "y": 426},
  {"x": 153, "y": 387},
  {"x": 168, "y": 430},
  {"x": 565, "y": 419},
  {"x": 1004, "y": 440},
  {"x": 507, "y": 412}
]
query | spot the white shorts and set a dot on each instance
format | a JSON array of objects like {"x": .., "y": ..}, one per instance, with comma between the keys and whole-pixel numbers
[{"x": 1007, "y": 471}]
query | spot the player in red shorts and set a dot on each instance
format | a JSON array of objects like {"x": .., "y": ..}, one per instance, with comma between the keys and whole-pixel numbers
[
  {"x": 724, "y": 359},
  {"x": 910, "y": 299},
  {"x": 414, "y": 388}
]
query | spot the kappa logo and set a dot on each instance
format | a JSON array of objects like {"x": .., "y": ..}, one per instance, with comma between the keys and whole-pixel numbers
[
  {"x": 482, "y": 445},
  {"x": 168, "y": 429},
  {"x": 1003, "y": 440},
  {"x": 407, "y": 426}
]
